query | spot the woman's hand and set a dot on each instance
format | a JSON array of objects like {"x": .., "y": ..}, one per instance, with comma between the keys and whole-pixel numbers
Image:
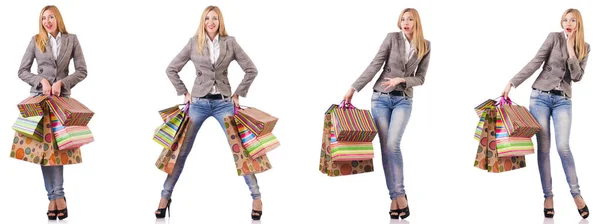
[
  {"x": 392, "y": 82},
  {"x": 236, "y": 100},
  {"x": 348, "y": 96},
  {"x": 506, "y": 90},
  {"x": 571, "y": 43},
  {"x": 46, "y": 87},
  {"x": 56, "y": 87},
  {"x": 187, "y": 98}
]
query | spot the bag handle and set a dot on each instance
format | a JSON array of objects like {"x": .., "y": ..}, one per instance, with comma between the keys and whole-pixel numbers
[{"x": 346, "y": 105}]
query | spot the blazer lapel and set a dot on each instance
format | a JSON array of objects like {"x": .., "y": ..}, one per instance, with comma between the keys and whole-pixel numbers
[
  {"x": 63, "y": 48},
  {"x": 563, "y": 47},
  {"x": 222, "y": 50},
  {"x": 413, "y": 58}
]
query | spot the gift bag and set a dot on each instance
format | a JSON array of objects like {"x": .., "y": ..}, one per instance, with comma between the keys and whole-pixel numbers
[
  {"x": 32, "y": 106},
  {"x": 257, "y": 121},
  {"x": 350, "y": 151},
  {"x": 168, "y": 157},
  {"x": 166, "y": 133},
  {"x": 351, "y": 124},
  {"x": 479, "y": 109},
  {"x": 479, "y": 129},
  {"x": 70, "y": 137},
  {"x": 43, "y": 152},
  {"x": 517, "y": 120},
  {"x": 69, "y": 111},
  {"x": 338, "y": 168},
  {"x": 30, "y": 127},
  {"x": 244, "y": 164},
  {"x": 487, "y": 155},
  {"x": 511, "y": 146},
  {"x": 256, "y": 146}
]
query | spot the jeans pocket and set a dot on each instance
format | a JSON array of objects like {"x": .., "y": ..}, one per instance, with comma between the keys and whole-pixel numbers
[{"x": 534, "y": 94}]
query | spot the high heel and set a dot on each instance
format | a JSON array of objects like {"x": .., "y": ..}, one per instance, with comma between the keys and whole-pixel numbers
[
  {"x": 51, "y": 217},
  {"x": 405, "y": 210},
  {"x": 549, "y": 212},
  {"x": 582, "y": 210},
  {"x": 163, "y": 211},
  {"x": 396, "y": 215},
  {"x": 256, "y": 217},
  {"x": 65, "y": 212}
]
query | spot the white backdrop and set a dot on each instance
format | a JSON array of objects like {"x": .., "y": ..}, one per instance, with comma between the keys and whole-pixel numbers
[{"x": 307, "y": 54}]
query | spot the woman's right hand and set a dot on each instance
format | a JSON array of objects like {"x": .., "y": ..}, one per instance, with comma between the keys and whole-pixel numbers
[
  {"x": 187, "y": 98},
  {"x": 348, "y": 96},
  {"x": 46, "y": 87},
  {"x": 506, "y": 90}
]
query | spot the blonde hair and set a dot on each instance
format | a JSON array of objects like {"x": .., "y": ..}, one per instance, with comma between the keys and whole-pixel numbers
[
  {"x": 201, "y": 33},
  {"x": 42, "y": 37},
  {"x": 418, "y": 38},
  {"x": 580, "y": 47}
]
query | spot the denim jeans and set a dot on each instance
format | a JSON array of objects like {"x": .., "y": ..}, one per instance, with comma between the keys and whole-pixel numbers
[
  {"x": 391, "y": 114},
  {"x": 53, "y": 177},
  {"x": 201, "y": 109},
  {"x": 543, "y": 106}
]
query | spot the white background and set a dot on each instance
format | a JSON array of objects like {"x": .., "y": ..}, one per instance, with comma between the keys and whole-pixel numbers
[{"x": 307, "y": 53}]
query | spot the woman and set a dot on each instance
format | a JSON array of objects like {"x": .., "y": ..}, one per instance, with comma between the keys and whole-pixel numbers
[
  {"x": 406, "y": 58},
  {"x": 53, "y": 48},
  {"x": 564, "y": 55},
  {"x": 211, "y": 50}
]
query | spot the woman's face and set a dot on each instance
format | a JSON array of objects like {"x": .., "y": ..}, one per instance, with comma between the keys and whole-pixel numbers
[
  {"x": 211, "y": 23},
  {"x": 49, "y": 22},
  {"x": 569, "y": 23},
  {"x": 407, "y": 23}
]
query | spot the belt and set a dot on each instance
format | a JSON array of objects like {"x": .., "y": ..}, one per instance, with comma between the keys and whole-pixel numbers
[
  {"x": 213, "y": 97},
  {"x": 553, "y": 92},
  {"x": 392, "y": 93}
]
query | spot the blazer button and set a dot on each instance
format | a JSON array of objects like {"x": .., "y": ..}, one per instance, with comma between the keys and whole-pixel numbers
[
  {"x": 41, "y": 70},
  {"x": 549, "y": 68},
  {"x": 388, "y": 69},
  {"x": 563, "y": 69}
]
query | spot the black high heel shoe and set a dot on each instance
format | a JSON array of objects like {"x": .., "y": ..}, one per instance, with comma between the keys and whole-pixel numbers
[
  {"x": 549, "y": 212},
  {"x": 254, "y": 216},
  {"x": 405, "y": 210},
  {"x": 396, "y": 215},
  {"x": 51, "y": 217},
  {"x": 163, "y": 211},
  {"x": 582, "y": 210},
  {"x": 65, "y": 212}
]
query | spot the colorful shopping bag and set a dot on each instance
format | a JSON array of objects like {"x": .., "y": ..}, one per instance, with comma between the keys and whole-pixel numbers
[
  {"x": 259, "y": 122},
  {"x": 30, "y": 127},
  {"x": 43, "y": 152},
  {"x": 168, "y": 157},
  {"x": 351, "y": 124},
  {"x": 508, "y": 145},
  {"x": 32, "y": 106},
  {"x": 350, "y": 151},
  {"x": 256, "y": 146},
  {"x": 244, "y": 164},
  {"x": 517, "y": 119},
  {"x": 485, "y": 105},
  {"x": 166, "y": 133},
  {"x": 69, "y": 111},
  {"x": 70, "y": 137},
  {"x": 487, "y": 154},
  {"x": 338, "y": 168}
]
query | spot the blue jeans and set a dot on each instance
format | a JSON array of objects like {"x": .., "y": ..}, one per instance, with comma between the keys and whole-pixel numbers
[
  {"x": 53, "y": 177},
  {"x": 391, "y": 114},
  {"x": 543, "y": 106},
  {"x": 201, "y": 109}
]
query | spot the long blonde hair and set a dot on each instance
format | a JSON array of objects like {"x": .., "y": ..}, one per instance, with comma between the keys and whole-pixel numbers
[
  {"x": 418, "y": 38},
  {"x": 201, "y": 29},
  {"x": 42, "y": 37},
  {"x": 580, "y": 47}
]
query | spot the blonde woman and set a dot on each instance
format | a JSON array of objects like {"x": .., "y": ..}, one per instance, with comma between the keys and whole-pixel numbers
[
  {"x": 405, "y": 58},
  {"x": 53, "y": 48},
  {"x": 211, "y": 50},
  {"x": 564, "y": 55}
]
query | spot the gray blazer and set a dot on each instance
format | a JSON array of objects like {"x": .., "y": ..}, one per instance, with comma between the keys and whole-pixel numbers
[
  {"x": 558, "y": 67},
  {"x": 392, "y": 52},
  {"x": 208, "y": 74},
  {"x": 51, "y": 69}
]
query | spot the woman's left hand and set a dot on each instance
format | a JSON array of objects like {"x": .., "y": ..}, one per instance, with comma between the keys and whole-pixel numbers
[
  {"x": 236, "y": 100},
  {"x": 571, "y": 44},
  {"x": 56, "y": 87},
  {"x": 391, "y": 83}
]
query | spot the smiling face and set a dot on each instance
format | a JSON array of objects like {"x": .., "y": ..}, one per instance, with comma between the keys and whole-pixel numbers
[
  {"x": 211, "y": 23},
  {"x": 569, "y": 23},
  {"x": 49, "y": 22},
  {"x": 407, "y": 24}
]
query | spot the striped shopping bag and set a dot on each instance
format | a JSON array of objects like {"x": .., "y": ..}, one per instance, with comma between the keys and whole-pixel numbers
[
  {"x": 69, "y": 111},
  {"x": 256, "y": 146},
  {"x": 32, "y": 106},
  {"x": 350, "y": 151},
  {"x": 351, "y": 124},
  {"x": 507, "y": 145},
  {"x": 69, "y": 137},
  {"x": 517, "y": 120},
  {"x": 31, "y": 127},
  {"x": 257, "y": 121},
  {"x": 486, "y": 104},
  {"x": 167, "y": 133}
]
